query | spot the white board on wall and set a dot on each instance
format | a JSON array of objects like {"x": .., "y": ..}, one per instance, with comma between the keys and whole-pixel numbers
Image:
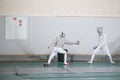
[{"x": 15, "y": 27}]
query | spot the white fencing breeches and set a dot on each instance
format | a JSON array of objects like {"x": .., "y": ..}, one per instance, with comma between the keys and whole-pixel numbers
[
  {"x": 54, "y": 53},
  {"x": 106, "y": 50}
]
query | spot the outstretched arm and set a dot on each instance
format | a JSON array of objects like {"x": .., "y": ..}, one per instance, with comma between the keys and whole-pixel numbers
[{"x": 72, "y": 43}]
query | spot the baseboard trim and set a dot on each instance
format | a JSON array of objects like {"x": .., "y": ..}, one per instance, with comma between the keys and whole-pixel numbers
[{"x": 44, "y": 58}]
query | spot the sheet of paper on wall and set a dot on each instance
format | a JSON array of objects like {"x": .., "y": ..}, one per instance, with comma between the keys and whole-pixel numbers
[{"x": 15, "y": 27}]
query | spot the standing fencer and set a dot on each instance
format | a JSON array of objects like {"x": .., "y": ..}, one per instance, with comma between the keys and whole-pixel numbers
[
  {"x": 102, "y": 45},
  {"x": 58, "y": 48}
]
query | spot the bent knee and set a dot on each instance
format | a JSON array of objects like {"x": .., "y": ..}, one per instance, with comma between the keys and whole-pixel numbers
[{"x": 66, "y": 50}]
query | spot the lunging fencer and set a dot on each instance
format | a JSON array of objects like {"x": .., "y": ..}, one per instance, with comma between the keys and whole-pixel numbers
[
  {"x": 58, "y": 45},
  {"x": 102, "y": 45}
]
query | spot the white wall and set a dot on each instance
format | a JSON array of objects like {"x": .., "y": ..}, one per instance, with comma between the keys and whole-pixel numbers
[
  {"x": 42, "y": 30},
  {"x": 26, "y": 7},
  {"x": 13, "y": 47},
  {"x": 45, "y": 29},
  {"x": 99, "y": 8}
]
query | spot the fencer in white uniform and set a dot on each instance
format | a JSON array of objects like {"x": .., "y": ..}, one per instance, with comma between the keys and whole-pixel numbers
[
  {"x": 102, "y": 45},
  {"x": 58, "y": 47}
]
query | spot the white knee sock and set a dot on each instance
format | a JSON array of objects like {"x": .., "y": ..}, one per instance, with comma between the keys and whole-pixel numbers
[
  {"x": 92, "y": 57},
  {"x": 65, "y": 58}
]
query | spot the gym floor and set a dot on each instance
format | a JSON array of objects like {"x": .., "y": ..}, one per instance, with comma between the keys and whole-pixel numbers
[{"x": 58, "y": 71}]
